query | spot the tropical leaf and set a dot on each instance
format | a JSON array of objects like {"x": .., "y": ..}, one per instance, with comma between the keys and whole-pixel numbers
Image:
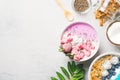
[
  {"x": 65, "y": 72},
  {"x": 76, "y": 71},
  {"x": 80, "y": 66},
  {"x": 79, "y": 74},
  {"x": 61, "y": 77},
  {"x": 73, "y": 66},
  {"x": 70, "y": 68},
  {"x": 53, "y": 78},
  {"x": 73, "y": 78},
  {"x": 83, "y": 71}
]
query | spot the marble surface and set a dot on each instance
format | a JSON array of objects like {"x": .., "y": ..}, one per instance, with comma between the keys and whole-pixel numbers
[{"x": 30, "y": 33}]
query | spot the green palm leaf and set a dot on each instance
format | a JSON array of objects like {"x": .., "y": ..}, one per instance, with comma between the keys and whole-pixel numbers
[
  {"x": 73, "y": 66},
  {"x": 80, "y": 66},
  {"x": 65, "y": 72},
  {"x": 76, "y": 71},
  {"x": 70, "y": 68},
  {"x": 79, "y": 74},
  {"x": 61, "y": 77},
  {"x": 53, "y": 78}
]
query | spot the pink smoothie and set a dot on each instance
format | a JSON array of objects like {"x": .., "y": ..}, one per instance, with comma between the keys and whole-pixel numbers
[{"x": 83, "y": 30}]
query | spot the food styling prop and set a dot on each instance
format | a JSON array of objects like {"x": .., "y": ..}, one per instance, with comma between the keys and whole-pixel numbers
[
  {"x": 73, "y": 72},
  {"x": 105, "y": 67},
  {"x": 106, "y": 10},
  {"x": 79, "y": 41},
  {"x": 81, "y": 6},
  {"x": 113, "y": 33},
  {"x": 67, "y": 14}
]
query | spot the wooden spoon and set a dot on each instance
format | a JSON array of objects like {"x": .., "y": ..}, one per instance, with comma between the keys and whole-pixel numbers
[{"x": 67, "y": 14}]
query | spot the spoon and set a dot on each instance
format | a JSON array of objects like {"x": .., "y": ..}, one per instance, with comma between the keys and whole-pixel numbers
[{"x": 67, "y": 14}]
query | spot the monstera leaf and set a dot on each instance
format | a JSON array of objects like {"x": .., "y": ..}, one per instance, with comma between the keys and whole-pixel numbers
[{"x": 73, "y": 72}]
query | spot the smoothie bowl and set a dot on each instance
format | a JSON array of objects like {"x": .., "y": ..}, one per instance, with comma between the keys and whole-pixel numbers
[
  {"x": 79, "y": 41},
  {"x": 105, "y": 67}
]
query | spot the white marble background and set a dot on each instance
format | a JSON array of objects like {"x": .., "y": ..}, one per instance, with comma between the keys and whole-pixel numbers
[{"x": 29, "y": 38}]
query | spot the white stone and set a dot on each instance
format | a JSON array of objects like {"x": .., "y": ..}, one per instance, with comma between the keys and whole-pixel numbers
[
  {"x": 114, "y": 60},
  {"x": 105, "y": 73},
  {"x": 107, "y": 65}
]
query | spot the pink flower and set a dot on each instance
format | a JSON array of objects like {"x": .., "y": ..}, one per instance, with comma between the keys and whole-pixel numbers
[
  {"x": 82, "y": 54},
  {"x": 80, "y": 47},
  {"x": 87, "y": 45},
  {"x": 69, "y": 39},
  {"x": 88, "y": 48},
  {"x": 79, "y": 56},
  {"x": 66, "y": 40},
  {"x": 67, "y": 47},
  {"x": 74, "y": 51}
]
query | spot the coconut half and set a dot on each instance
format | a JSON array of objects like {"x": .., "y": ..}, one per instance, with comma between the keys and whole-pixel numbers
[{"x": 113, "y": 32}]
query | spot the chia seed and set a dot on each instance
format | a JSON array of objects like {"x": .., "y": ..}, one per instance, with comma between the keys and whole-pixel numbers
[{"x": 81, "y": 5}]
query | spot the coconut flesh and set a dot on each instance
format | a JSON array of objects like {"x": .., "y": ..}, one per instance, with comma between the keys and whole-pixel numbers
[{"x": 114, "y": 33}]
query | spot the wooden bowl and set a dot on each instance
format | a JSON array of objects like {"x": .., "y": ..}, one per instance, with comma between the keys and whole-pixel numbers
[{"x": 118, "y": 44}]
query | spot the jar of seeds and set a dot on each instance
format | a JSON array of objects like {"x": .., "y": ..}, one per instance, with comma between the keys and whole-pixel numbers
[{"x": 81, "y": 6}]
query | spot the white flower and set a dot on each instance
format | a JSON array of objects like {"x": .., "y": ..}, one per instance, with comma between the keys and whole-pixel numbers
[
  {"x": 105, "y": 73},
  {"x": 114, "y": 60},
  {"x": 107, "y": 65}
]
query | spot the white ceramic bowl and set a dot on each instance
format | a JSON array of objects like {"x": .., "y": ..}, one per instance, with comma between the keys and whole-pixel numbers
[
  {"x": 77, "y": 30},
  {"x": 100, "y": 56}
]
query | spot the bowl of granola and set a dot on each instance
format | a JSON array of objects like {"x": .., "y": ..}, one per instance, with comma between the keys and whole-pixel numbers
[
  {"x": 79, "y": 41},
  {"x": 105, "y": 67}
]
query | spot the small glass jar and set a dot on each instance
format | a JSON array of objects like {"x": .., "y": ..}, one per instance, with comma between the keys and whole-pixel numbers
[{"x": 81, "y": 6}]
